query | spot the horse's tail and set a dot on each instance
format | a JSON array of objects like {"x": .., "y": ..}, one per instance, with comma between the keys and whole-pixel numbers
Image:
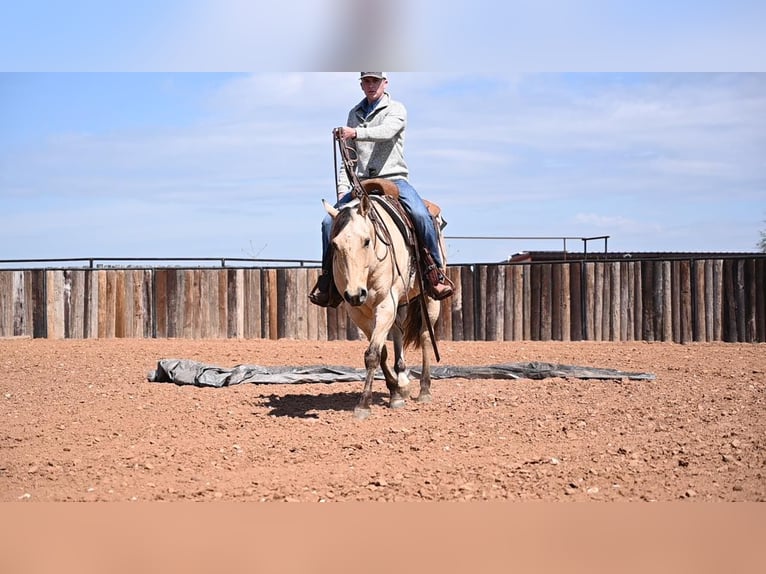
[{"x": 413, "y": 324}]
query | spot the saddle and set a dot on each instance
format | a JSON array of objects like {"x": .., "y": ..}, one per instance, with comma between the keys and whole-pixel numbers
[
  {"x": 388, "y": 191},
  {"x": 380, "y": 186}
]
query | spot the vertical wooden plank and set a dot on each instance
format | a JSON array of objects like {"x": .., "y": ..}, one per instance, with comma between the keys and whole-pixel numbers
[
  {"x": 630, "y": 303},
  {"x": 87, "y": 295},
  {"x": 739, "y": 284},
  {"x": 760, "y": 302},
  {"x": 590, "y": 301},
  {"x": 508, "y": 308},
  {"x": 750, "y": 301},
  {"x": 202, "y": 278},
  {"x": 598, "y": 302},
  {"x": 39, "y": 303},
  {"x": 79, "y": 280},
  {"x": 66, "y": 275},
  {"x": 729, "y": 303},
  {"x": 535, "y": 272},
  {"x": 254, "y": 304},
  {"x": 495, "y": 302},
  {"x": 455, "y": 275},
  {"x": 546, "y": 301},
  {"x": 21, "y": 306},
  {"x": 149, "y": 306},
  {"x": 241, "y": 302},
  {"x": 675, "y": 299},
  {"x": 480, "y": 301},
  {"x": 556, "y": 301},
  {"x": 28, "y": 310},
  {"x": 615, "y": 288},
  {"x": 443, "y": 327},
  {"x": 565, "y": 302},
  {"x": 56, "y": 298},
  {"x": 312, "y": 315},
  {"x": 284, "y": 306},
  {"x": 120, "y": 303},
  {"x": 188, "y": 303},
  {"x": 625, "y": 303},
  {"x": 232, "y": 303},
  {"x": 526, "y": 273},
  {"x": 519, "y": 309},
  {"x": 718, "y": 300},
  {"x": 102, "y": 313},
  {"x": 129, "y": 297},
  {"x": 6, "y": 303},
  {"x": 133, "y": 302},
  {"x": 160, "y": 287},
  {"x": 576, "y": 332},
  {"x": 686, "y": 301},
  {"x": 174, "y": 317},
  {"x": 273, "y": 295},
  {"x": 302, "y": 304},
  {"x": 214, "y": 299},
  {"x": 467, "y": 284},
  {"x": 638, "y": 298},
  {"x": 667, "y": 301},
  {"x": 647, "y": 297},
  {"x": 709, "y": 289},
  {"x": 221, "y": 326},
  {"x": 699, "y": 331},
  {"x": 137, "y": 316},
  {"x": 657, "y": 294}
]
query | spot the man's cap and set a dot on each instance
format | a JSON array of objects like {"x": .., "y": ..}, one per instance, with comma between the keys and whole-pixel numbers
[{"x": 379, "y": 75}]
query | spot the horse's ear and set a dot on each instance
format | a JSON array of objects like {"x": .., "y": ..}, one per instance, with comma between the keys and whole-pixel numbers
[
  {"x": 330, "y": 209},
  {"x": 364, "y": 205}
]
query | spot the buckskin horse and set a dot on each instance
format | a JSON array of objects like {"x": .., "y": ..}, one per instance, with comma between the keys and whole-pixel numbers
[{"x": 376, "y": 272}]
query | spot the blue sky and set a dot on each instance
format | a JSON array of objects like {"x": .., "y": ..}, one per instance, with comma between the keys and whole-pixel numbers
[
  {"x": 124, "y": 133},
  {"x": 214, "y": 165}
]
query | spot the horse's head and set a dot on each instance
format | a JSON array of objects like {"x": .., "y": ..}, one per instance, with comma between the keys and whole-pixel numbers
[{"x": 353, "y": 243}]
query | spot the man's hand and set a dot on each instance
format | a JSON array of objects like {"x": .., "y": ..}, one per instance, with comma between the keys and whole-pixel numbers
[{"x": 346, "y": 133}]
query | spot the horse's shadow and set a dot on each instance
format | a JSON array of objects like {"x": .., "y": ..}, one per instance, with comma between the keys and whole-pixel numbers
[{"x": 300, "y": 406}]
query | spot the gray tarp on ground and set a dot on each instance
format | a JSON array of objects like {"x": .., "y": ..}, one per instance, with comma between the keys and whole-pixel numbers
[{"x": 187, "y": 372}]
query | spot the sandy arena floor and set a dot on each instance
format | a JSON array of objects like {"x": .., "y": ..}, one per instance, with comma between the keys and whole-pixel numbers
[{"x": 80, "y": 422}]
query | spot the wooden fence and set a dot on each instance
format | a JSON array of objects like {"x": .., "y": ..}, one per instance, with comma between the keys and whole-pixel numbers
[{"x": 652, "y": 300}]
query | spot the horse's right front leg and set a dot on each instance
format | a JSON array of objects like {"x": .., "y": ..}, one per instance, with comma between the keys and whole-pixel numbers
[
  {"x": 371, "y": 363},
  {"x": 383, "y": 321}
]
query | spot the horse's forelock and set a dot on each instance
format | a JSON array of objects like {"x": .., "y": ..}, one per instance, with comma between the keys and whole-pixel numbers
[{"x": 341, "y": 220}]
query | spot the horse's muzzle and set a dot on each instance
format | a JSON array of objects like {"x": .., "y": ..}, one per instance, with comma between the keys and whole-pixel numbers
[{"x": 357, "y": 298}]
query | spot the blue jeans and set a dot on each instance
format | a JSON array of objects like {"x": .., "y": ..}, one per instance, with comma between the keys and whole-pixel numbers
[{"x": 417, "y": 210}]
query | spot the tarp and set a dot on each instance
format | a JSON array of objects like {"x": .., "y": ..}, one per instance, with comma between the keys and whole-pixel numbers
[{"x": 187, "y": 372}]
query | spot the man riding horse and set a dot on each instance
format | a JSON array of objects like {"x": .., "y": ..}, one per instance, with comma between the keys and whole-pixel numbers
[{"x": 375, "y": 132}]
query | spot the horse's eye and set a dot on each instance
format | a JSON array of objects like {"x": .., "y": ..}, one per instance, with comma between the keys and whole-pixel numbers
[{"x": 367, "y": 242}]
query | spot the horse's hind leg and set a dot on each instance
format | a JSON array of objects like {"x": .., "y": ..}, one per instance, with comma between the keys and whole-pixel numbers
[{"x": 425, "y": 376}]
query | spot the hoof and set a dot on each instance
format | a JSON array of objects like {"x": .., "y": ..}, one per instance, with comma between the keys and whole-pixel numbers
[
  {"x": 423, "y": 398},
  {"x": 397, "y": 403},
  {"x": 361, "y": 414}
]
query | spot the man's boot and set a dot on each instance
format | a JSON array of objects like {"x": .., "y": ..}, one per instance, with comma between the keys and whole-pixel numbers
[
  {"x": 437, "y": 284},
  {"x": 325, "y": 293}
]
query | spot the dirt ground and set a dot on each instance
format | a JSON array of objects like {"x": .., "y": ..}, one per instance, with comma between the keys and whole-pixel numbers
[{"x": 80, "y": 422}]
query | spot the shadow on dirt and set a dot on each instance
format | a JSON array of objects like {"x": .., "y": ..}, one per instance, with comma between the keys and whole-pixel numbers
[{"x": 301, "y": 406}]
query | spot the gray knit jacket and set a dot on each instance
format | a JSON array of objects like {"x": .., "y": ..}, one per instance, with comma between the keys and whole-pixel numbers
[{"x": 379, "y": 142}]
